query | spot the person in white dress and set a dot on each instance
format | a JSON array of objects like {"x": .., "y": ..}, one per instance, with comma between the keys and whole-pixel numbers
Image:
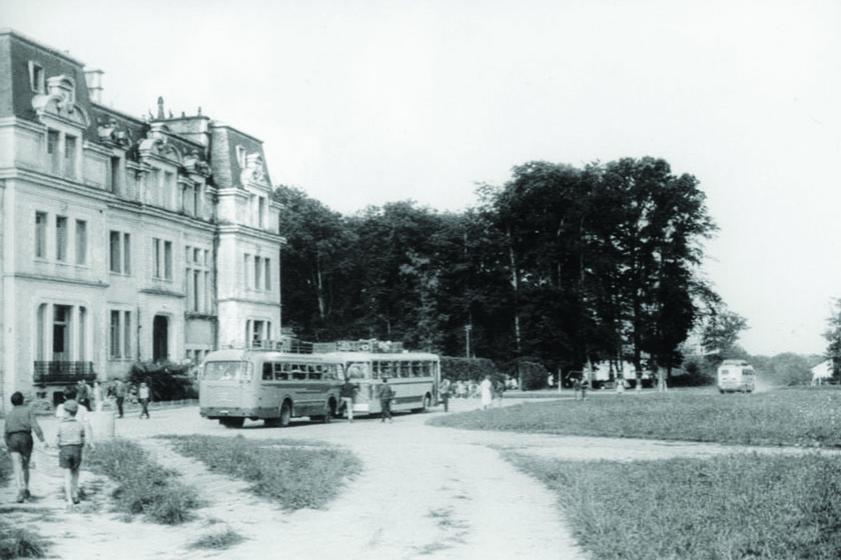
[{"x": 486, "y": 392}]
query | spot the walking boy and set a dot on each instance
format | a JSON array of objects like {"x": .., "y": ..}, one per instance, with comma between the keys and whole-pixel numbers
[
  {"x": 70, "y": 440},
  {"x": 386, "y": 394},
  {"x": 20, "y": 423}
]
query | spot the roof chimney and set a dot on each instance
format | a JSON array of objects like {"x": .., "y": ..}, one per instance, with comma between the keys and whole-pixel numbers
[{"x": 94, "y": 80}]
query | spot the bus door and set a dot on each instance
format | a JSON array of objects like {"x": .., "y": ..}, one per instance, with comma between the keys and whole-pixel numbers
[{"x": 359, "y": 373}]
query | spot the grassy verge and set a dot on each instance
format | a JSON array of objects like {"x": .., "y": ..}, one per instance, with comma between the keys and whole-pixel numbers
[
  {"x": 5, "y": 468},
  {"x": 293, "y": 474},
  {"x": 222, "y": 540},
  {"x": 805, "y": 417},
  {"x": 17, "y": 542},
  {"x": 144, "y": 487},
  {"x": 741, "y": 506}
]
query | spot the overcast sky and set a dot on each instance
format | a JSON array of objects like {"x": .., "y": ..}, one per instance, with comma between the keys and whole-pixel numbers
[{"x": 362, "y": 103}]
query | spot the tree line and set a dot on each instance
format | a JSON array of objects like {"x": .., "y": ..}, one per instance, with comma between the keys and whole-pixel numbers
[{"x": 561, "y": 263}]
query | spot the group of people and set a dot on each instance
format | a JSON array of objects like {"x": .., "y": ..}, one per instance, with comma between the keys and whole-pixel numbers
[
  {"x": 74, "y": 429},
  {"x": 117, "y": 390},
  {"x": 74, "y": 433},
  {"x": 487, "y": 390}
]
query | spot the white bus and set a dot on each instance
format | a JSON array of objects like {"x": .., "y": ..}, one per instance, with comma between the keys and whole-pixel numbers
[
  {"x": 735, "y": 375},
  {"x": 273, "y": 386},
  {"x": 414, "y": 376}
]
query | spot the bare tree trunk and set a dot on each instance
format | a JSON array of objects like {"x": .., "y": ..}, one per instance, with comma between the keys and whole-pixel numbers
[
  {"x": 319, "y": 282},
  {"x": 515, "y": 283}
]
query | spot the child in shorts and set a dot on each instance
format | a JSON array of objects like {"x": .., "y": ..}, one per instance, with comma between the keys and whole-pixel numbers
[{"x": 71, "y": 440}]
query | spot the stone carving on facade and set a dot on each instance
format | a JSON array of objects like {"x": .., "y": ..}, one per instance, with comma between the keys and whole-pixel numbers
[
  {"x": 157, "y": 143},
  {"x": 109, "y": 131},
  {"x": 255, "y": 171},
  {"x": 60, "y": 101},
  {"x": 193, "y": 163}
]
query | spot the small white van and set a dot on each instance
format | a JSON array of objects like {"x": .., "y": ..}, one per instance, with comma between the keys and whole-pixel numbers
[{"x": 735, "y": 375}]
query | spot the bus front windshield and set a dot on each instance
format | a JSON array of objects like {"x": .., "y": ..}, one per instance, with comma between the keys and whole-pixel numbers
[{"x": 225, "y": 371}]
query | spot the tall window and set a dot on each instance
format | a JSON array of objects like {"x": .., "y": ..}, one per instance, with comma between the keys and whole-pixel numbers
[
  {"x": 168, "y": 260},
  {"x": 162, "y": 252},
  {"x": 246, "y": 274},
  {"x": 116, "y": 348},
  {"x": 196, "y": 279},
  {"x": 52, "y": 151},
  {"x": 70, "y": 143},
  {"x": 120, "y": 251},
  {"x": 114, "y": 174},
  {"x": 81, "y": 242},
  {"x": 127, "y": 334},
  {"x": 120, "y": 334},
  {"x": 261, "y": 212},
  {"x": 258, "y": 272},
  {"x": 268, "y": 279},
  {"x": 61, "y": 238},
  {"x": 41, "y": 235}
]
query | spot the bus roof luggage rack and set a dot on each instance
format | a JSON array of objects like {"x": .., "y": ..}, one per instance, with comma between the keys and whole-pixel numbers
[
  {"x": 291, "y": 345},
  {"x": 362, "y": 345}
]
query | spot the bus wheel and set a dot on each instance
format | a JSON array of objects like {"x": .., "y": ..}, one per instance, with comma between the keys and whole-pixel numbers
[
  {"x": 285, "y": 414},
  {"x": 232, "y": 422}
]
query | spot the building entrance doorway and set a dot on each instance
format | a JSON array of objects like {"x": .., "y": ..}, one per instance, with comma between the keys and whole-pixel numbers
[{"x": 160, "y": 338}]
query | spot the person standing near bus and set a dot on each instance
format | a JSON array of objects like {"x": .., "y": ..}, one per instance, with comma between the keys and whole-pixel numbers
[
  {"x": 119, "y": 395},
  {"x": 143, "y": 394},
  {"x": 348, "y": 394},
  {"x": 444, "y": 391},
  {"x": 20, "y": 423},
  {"x": 486, "y": 392},
  {"x": 386, "y": 394}
]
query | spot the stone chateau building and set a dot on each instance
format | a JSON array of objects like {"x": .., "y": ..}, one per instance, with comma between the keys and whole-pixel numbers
[{"x": 122, "y": 239}]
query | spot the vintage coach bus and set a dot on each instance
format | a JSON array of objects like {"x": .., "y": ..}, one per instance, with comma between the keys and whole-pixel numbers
[{"x": 268, "y": 385}]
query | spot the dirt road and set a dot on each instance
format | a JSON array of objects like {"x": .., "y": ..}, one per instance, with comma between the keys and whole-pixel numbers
[{"x": 425, "y": 492}]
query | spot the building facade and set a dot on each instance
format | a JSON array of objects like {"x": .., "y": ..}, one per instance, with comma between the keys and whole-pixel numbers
[{"x": 123, "y": 240}]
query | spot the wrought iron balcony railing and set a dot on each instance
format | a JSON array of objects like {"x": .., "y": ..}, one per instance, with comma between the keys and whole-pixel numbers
[{"x": 63, "y": 372}]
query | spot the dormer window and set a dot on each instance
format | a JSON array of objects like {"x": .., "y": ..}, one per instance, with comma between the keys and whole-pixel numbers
[
  {"x": 242, "y": 157},
  {"x": 36, "y": 77}
]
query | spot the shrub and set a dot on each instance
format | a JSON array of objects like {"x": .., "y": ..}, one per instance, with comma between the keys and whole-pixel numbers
[
  {"x": 144, "y": 487},
  {"x": 531, "y": 373},
  {"x": 167, "y": 381},
  {"x": 218, "y": 541},
  {"x": 467, "y": 369}
]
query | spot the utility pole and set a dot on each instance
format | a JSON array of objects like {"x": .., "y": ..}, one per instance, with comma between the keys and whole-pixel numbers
[{"x": 467, "y": 329}]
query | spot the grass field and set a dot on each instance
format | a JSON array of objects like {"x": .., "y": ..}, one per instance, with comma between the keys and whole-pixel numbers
[
  {"x": 16, "y": 541},
  {"x": 730, "y": 507},
  {"x": 144, "y": 487},
  {"x": 295, "y": 474},
  {"x": 802, "y": 417}
]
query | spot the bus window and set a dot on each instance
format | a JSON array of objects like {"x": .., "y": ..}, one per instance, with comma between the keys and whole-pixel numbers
[
  {"x": 405, "y": 369},
  {"x": 329, "y": 371},
  {"x": 387, "y": 369},
  {"x": 281, "y": 373},
  {"x": 299, "y": 372},
  {"x": 417, "y": 369},
  {"x": 268, "y": 373},
  {"x": 357, "y": 371},
  {"x": 315, "y": 371},
  {"x": 426, "y": 369},
  {"x": 222, "y": 371}
]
